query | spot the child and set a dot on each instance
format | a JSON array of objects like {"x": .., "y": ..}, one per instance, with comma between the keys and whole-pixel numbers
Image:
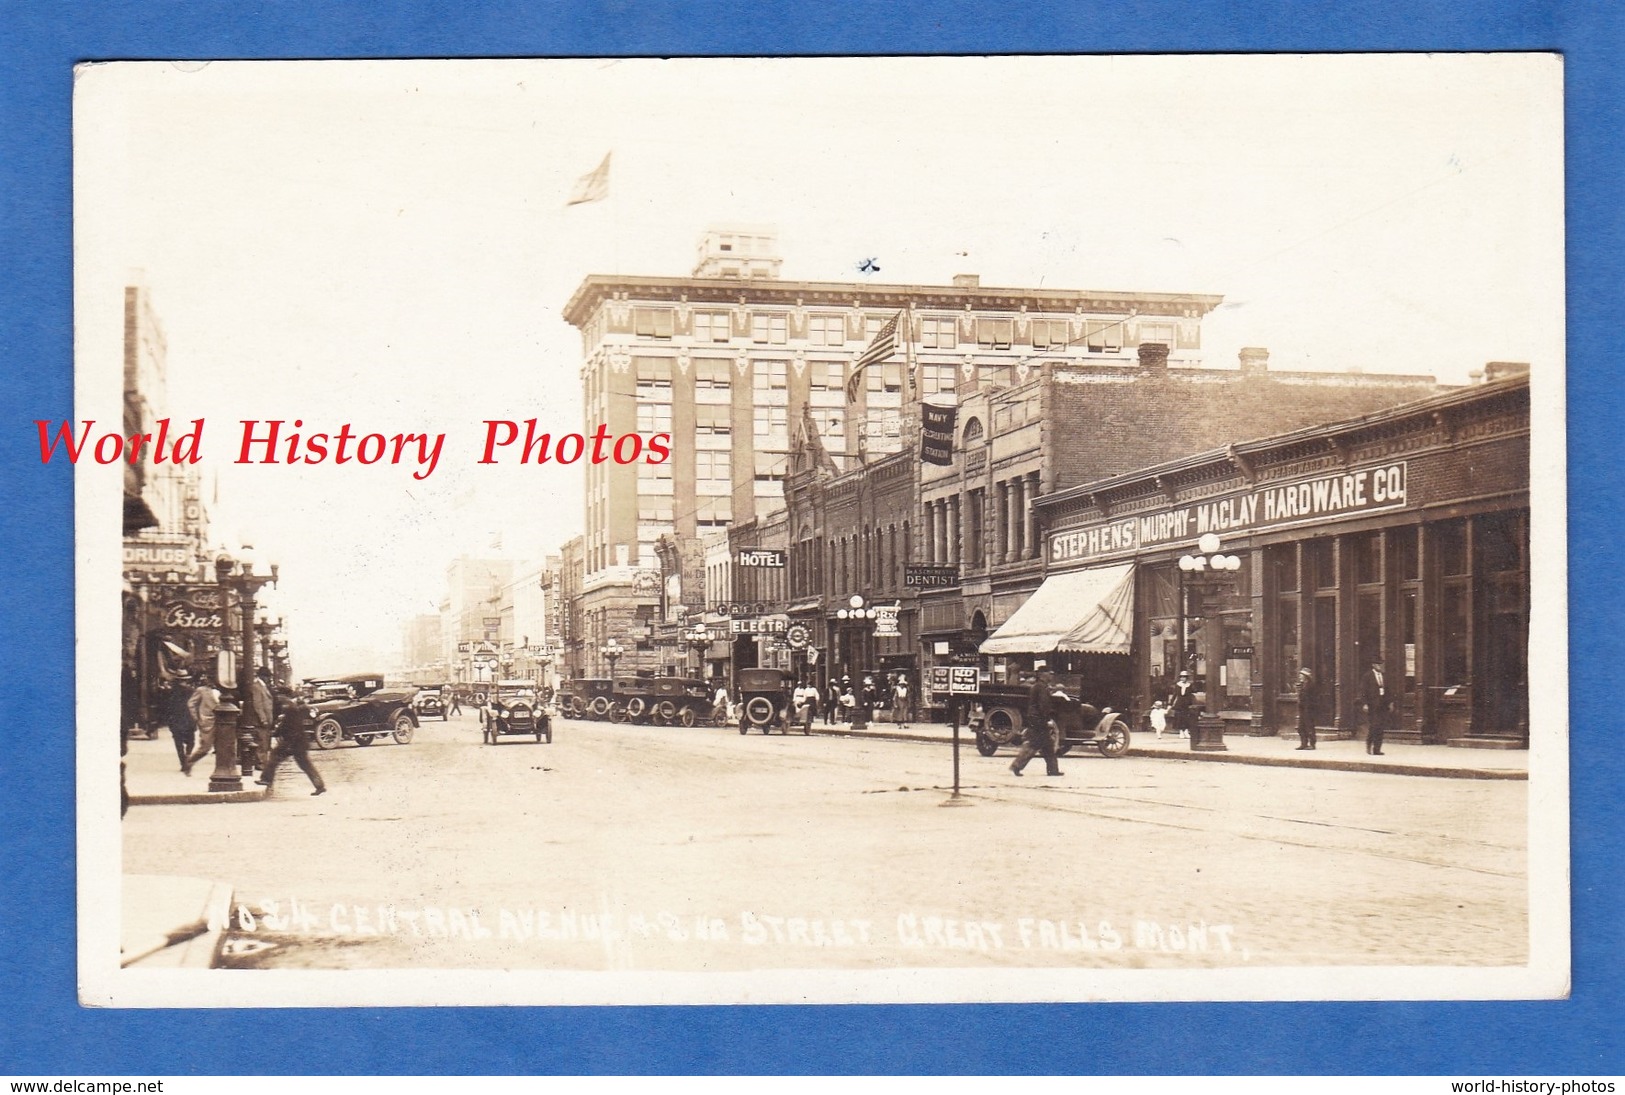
[{"x": 1159, "y": 717}]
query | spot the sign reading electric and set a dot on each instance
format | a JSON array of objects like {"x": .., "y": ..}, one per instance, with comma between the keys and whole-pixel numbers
[{"x": 1364, "y": 491}]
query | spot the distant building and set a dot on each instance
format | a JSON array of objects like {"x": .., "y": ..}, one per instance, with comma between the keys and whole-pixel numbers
[{"x": 471, "y": 617}]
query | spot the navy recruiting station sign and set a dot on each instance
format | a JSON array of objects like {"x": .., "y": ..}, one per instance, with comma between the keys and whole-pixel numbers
[{"x": 1366, "y": 490}]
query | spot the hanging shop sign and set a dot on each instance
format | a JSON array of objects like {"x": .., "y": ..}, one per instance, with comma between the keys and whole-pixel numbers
[
  {"x": 161, "y": 557},
  {"x": 930, "y": 577},
  {"x": 797, "y": 636},
  {"x": 1344, "y": 494},
  {"x": 761, "y": 558},
  {"x": 758, "y": 625},
  {"x": 886, "y": 621}
]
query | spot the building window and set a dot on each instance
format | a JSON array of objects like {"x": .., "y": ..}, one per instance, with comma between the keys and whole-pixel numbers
[
  {"x": 712, "y": 327},
  {"x": 994, "y": 334},
  {"x": 712, "y": 472},
  {"x": 1320, "y": 559},
  {"x": 826, "y": 330},
  {"x": 1283, "y": 563},
  {"x": 1157, "y": 332},
  {"x": 1051, "y": 334},
  {"x": 654, "y": 479},
  {"x": 938, "y": 378},
  {"x": 939, "y": 333},
  {"x": 712, "y": 381},
  {"x": 830, "y": 423},
  {"x": 771, "y": 382},
  {"x": 772, "y": 426},
  {"x": 769, "y": 328},
  {"x": 654, "y": 509},
  {"x": 973, "y": 432},
  {"x": 652, "y": 322},
  {"x": 1007, "y": 416},
  {"x": 1103, "y": 336},
  {"x": 1367, "y": 551},
  {"x": 1402, "y": 548},
  {"x": 654, "y": 418},
  {"x": 714, "y": 511},
  {"x": 1451, "y": 538},
  {"x": 712, "y": 427},
  {"x": 654, "y": 379},
  {"x": 886, "y": 378}
]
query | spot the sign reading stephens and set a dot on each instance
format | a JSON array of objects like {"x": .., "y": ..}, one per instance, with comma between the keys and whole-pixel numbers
[{"x": 1365, "y": 491}]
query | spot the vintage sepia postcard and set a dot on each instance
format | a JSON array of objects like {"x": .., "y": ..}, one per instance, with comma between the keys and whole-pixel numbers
[{"x": 820, "y": 530}]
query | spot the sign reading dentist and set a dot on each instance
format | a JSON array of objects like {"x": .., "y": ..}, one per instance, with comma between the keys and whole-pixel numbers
[{"x": 1367, "y": 490}]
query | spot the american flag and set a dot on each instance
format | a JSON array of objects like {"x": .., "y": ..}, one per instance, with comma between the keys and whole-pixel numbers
[
  {"x": 883, "y": 346},
  {"x": 593, "y": 186}
]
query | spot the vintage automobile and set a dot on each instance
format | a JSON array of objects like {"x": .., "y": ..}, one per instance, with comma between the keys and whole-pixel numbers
[
  {"x": 765, "y": 700},
  {"x": 515, "y": 709},
  {"x": 997, "y": 714},
  {"x": 360, "y": 708},
  {"x": 586, "y": 698},
  {"x": 664, "y": 701},
  {"x": 431, "y": 700}
]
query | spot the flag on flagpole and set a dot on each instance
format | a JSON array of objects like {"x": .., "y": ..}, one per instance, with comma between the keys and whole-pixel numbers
[
  {"x": 883, "y": 346},
  {"x": 593, "y": 186}
]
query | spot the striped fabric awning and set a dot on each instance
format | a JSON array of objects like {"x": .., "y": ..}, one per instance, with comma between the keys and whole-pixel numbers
[{"x": 1085, "y": 611}]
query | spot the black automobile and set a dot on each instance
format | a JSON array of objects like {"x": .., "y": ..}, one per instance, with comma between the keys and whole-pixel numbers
[
  {"x": 431, "y": 702},
  {"x": 766, "y": 700},
  {"x": 587, "y": 697},
  {"x": 515, "y": 709},
  {"x": 362, "y": 709}
]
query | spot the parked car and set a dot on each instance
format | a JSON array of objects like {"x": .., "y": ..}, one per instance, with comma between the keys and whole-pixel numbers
[
  {"x": 997, "y": 714},
  {"x": 586, "y": 697},
  {"x": 431, "y": 702},
  {"x": 361, "y": 709},
  {"x": 765, "y": 700},
  {"x": 515, "y": 709}
]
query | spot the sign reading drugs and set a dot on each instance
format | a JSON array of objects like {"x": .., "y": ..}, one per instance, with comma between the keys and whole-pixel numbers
[
  {"x": 937, "y": 434},
  {"x": 761, "y": 557},
  {"x": 1367, "y": 490}
]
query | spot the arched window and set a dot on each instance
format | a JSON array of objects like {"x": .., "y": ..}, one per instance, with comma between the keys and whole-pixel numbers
[{"x": 973, "y": 432}]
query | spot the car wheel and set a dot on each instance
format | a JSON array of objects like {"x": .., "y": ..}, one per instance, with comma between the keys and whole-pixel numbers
[
  {"x": 329, "y": 734},
  {"x": 617, "y": 713},
  {"x": 666, "y": 712},
  {"x": 743, "y": 726},
  {"x": 363, "y": 739},
  {"x": 636, "y": 707},
  {"x": 1115, "y": 743},
  {"x": 547, "y": 732},
  {"x": 1003, "y": 724},
  {"x": 986, "y": 745},
  {"x": 403, "y": 729},
  {"x": 600, "y": 706},
  {"x": 686, "y": 716},
  {"x": 759, "y": 710}
]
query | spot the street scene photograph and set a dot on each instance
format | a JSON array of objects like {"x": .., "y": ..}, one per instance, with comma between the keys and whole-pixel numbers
[{"x": 820, "y": 530}]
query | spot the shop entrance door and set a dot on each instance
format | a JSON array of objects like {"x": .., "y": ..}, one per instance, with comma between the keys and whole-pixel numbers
[{"x": 1324, "y": 660}]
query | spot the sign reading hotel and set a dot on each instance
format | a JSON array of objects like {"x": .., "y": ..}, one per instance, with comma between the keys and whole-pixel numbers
[
  {"x": 1367, "y": 490},
  {"x": 761, "y": 557}
]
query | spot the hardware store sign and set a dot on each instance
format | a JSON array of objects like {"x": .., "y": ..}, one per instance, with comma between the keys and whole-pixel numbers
[{"x": 1367, "y": 490}]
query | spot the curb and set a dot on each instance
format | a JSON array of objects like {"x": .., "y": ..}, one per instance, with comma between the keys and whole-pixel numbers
[{"x": 196, "y": 798}]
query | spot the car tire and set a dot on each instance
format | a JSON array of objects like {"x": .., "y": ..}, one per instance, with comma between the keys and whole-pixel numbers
[
  {"x": 329, "y": 734},
  {"x": 1115, "y": 741},
  {"x": 363, "y": 739},
  {"x": 986, "y": 745},
  {"x": 1004, "y": 724},
  {"x": 600, "y": 706},
  {"x": 404, "y": 729},
  {"x": 687, "y": 717},
  {"x": 666, "y": 712},
  {"x": 636, "y": 708}
]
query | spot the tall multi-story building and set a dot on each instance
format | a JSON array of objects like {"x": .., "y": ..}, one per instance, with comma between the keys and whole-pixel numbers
[
  {"x": 471, "y": 617},
  {"x": 733, "y": 359}
]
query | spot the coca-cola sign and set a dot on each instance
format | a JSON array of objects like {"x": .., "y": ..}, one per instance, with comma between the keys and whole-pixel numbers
[{"x": 182, "y": 615}]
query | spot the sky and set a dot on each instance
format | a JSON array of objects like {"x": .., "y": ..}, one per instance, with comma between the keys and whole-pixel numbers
[{"x": 388, "y": 244}]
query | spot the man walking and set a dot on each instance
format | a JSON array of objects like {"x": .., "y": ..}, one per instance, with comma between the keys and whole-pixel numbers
[
  {"x": 1182, "y": 704},
  {"x": 259, "y": 698},
  {"x": 179, "y": 719},
  {"x": 205, "y": 698},
  {"x": 1379, "y": 706},
  {"x": 1038, "y": 737},
  {"x": 456, "y": 707},
  {"x": 292, "y": 728}
]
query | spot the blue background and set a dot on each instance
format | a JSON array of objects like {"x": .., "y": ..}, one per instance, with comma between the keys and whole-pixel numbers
[{"x": 44, "y": 1031}]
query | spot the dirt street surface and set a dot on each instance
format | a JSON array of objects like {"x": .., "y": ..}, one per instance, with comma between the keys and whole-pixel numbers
[{"x": 662, "y": 848}]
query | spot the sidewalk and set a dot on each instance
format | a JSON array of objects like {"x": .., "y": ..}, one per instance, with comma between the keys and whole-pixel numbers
[
  {"x": 152, "y": 776},
  {"x": 1350, "y": 756}
]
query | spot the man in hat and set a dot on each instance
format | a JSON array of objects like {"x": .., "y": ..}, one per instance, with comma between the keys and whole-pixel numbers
[
  {"x": 1182, "y": 704},
  {"x": 1308, "y": 694},
  {"x": 1378, "y": 694},
  {"x": 293, "y": 720},
  {"x": 1037, "y": 730}
]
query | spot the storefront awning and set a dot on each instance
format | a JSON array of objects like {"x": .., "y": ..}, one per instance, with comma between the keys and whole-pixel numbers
[{"x": 1086, "y": 611}]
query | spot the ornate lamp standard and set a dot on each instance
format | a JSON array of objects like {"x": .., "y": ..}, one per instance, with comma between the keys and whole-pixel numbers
[
  {"x": 1210, "y": 567},
  {"x": 612, "y": 652},
  {"x": 698, "y": 639},
  {"x": 237, "y": 577},
  {"x": 860, "y": 611}
]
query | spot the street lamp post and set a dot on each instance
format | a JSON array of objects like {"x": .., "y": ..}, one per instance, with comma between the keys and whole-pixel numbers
[
  {"x": 698, "y": 638},
  {"x": 1207, "y": 564},
  {"x": 238, "y": 577},
  {"x": 860, "y": 611},
  {"x": 612, "y": 652}
]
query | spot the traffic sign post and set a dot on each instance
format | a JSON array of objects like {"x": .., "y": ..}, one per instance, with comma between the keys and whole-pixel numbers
[{"x": 963, "y": 680}]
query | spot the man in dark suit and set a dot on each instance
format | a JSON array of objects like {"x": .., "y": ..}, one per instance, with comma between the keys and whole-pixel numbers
[
  {"x": 1378, "y": 694},
  {"x": 1308, "y": 695},
  {"x": 1182, "y": 705},
  {"x": 1037, "y": 736}
]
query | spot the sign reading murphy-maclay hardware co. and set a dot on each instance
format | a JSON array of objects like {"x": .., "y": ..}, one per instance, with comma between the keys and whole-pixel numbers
[{"x": 1363, "y": 491}]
